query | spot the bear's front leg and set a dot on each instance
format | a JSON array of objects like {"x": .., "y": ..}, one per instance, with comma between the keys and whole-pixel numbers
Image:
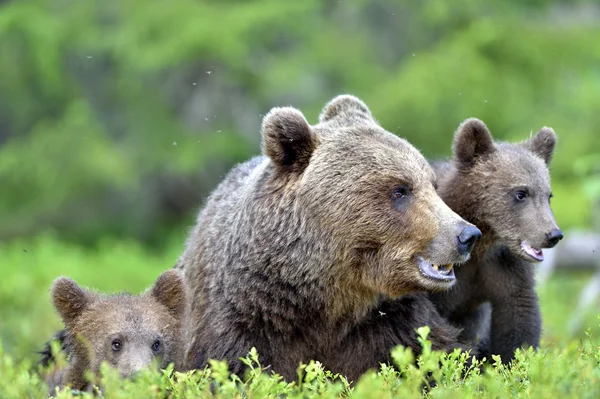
[
  {"x": 516, "y": 323},
  {"x": 475, "y": 323}
]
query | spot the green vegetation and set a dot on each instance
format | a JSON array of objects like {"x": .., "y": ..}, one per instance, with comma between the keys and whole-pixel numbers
[
  {"x": 119, "y": 118},
  {"x": 570, "y": 372},
  {"x": 566, "y": 366}
]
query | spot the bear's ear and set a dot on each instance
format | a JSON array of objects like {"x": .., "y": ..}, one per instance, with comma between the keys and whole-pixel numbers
[
  {"x": 169, "y": 291},
  {"x": 471, "y": 141},
  {"x": 345, "y": 110},
  {"x": 69, "y": 299},
  {"x": 288, "y": 139},
  {"x": 542, "y": 144}
]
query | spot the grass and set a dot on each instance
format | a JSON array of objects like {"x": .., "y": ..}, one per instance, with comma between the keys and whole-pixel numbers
[{"x": 565, "y": 366}]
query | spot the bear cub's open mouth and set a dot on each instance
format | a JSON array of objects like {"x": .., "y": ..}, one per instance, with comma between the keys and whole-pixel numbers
[
  {"x": 437, "y": 272},
  {"x": 534, "y": 253}
]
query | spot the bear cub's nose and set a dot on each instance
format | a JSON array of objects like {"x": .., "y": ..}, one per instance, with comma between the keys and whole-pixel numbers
[
  {"x": 554, "y": 237},
  {"x": 467, "y": 238}
]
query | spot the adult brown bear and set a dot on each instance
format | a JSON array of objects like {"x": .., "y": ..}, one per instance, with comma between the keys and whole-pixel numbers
[{"x": 295, "y": 250}]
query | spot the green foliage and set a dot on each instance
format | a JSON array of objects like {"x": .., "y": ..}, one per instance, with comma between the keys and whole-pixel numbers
[
  {"x": 563, "y": 366},
  {"x": 119, "y": 117},
  {"x": 588, "y": 168},
  {"x": 571, "y": 372}
]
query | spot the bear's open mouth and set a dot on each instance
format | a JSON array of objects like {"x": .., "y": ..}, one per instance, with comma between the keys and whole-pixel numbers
[
  {"x": 534, "y": 253},
  {"x": 437, "y": 272}
]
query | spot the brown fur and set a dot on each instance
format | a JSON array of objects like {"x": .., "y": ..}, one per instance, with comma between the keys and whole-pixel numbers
[
  {"x": 94, "y": 322},
  {"x": 497, "y": 285},
  {"x": 293, "y": 249}
]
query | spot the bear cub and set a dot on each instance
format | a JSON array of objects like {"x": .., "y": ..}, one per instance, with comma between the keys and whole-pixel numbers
[
  {"x": 127, "y": 331},
  {"x": 504, "y": 189}
]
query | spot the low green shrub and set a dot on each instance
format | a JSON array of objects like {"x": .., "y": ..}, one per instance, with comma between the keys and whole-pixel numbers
[
  {"x": 565, "y": 366},
  {"x": 573, "y": 371}
]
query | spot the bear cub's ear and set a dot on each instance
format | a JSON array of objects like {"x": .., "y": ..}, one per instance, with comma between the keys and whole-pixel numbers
[
  {"x": 471, "y": 141},
  {"x": 170, "y": 291},
  {"x": 288, "y": 139},
  {"x": 542, "y": 144},
  {"x": 69, "y": 299},
  {"x": 346, "y": 110}
]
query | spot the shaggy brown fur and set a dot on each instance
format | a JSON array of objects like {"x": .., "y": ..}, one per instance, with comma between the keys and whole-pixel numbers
[
  {"x": 127, "y": 331},
  {"x": 504, "y": 189},
  {"x": 293, "y": 249}
]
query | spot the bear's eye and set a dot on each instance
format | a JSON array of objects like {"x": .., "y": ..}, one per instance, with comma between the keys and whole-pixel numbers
[
  {"x": 156, "y": 346},
  {"x": 116, "y": 345},
  {"x": 401, "y": 197},
  {"x": 520, "y": 195},
  {"x": 401, "y": 192}
]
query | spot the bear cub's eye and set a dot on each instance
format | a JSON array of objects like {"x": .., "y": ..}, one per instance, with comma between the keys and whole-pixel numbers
[
  {"x": 156, "y": 346},
  {"x": 520, "y": 195},
  {"x": 116, "y": 345}
]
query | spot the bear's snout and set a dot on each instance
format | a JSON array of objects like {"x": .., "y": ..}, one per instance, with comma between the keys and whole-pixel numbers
[
  {"x": 553, "y": 237},
  {"x": 467, "y": 238}
]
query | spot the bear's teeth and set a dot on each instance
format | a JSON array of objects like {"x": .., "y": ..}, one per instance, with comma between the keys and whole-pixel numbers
[
  {"x": 448, "y": 267},
  {"x": 436, "y": 267}
]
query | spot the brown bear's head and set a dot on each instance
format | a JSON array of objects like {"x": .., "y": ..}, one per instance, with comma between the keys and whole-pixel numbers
[
  {"x": 372, "y": 196},
  {"x": 505, "y": 188},
  {"x": 127, "y": 331}
]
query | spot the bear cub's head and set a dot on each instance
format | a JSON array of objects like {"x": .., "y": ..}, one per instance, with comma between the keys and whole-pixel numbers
[
  {"x": 129, "y": 332},
  {"x": 372, "y": 197},
  {"x": 504, "y": 188}
]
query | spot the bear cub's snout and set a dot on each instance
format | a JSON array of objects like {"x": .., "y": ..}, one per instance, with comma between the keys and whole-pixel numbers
[{"x": 554, "y": 237}]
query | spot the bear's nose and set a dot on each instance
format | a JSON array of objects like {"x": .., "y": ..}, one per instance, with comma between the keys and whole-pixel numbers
[
  {"x": 554, "y": 237},
  {"x": 467, "y": 238}
]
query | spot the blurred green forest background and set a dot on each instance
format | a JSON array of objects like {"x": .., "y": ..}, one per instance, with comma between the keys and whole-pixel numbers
[{"x": 117, "y": 118}]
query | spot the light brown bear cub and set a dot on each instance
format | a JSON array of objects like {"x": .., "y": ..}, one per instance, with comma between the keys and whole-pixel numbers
[
  {"x": 504, "y": 189},
  {"x": 127, "y": 331},
  {"x": 293, "y": 251}
]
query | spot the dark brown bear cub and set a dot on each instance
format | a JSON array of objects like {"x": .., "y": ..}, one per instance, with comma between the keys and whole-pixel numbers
[
  {"x": 294, "y": 249},
  {"x": 504, "y": 189},
  {"x": 127, "y": 331}
]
